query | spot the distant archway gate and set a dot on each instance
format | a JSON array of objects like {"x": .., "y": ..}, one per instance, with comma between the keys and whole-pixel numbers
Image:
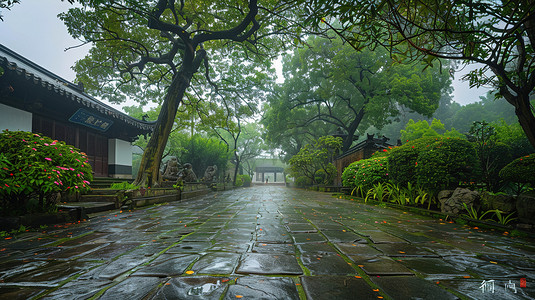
[{"x": 264, "y": 170}]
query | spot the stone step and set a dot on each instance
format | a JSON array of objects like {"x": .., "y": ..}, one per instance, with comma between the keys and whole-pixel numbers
[
  {"x": 98, "y": 198},
  {"x": 90, "y": 207},
  {"x": 102, "y": 191},
  {"x": 106, "y": 182}
]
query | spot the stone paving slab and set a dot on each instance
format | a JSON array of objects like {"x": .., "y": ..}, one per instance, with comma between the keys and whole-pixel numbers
[
  {"x": 301, "y": 227},
  {"x": 404, "y": 250},
  {"x": 362, "y": 251},
  {"x": 79, "y": 289},
  {"x": 259, "y": 263},
  {"x": 202, "y": 288},
  {"x": 216, "y": 263},
  {"x": 337, "y": 287},
  {"x": 255, "y": 287},
  {"x": 167, "y": 265},
  {"x": 329, "y": 264},
  {"x": 264, "y": 242},
  {"x": 281, "y": 248},
  {"x": 300, "y": 238},
  {"x": 383, "y": 266},
  {"x": 433, "y": 268},
  {"x": 316, "y": 248},
  {"x": 410, "y": 287},
  {"x": 132, "y": 288}
]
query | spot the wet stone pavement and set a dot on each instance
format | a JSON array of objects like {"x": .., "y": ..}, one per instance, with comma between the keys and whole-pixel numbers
[{"x": 266, "y": 242}]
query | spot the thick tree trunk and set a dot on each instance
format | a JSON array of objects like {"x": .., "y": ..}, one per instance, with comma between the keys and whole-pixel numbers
[
  {"x": 348, "y": 141},
  {"x": 149, "y": 170},
  {"x": 526, "y": 118},
  {"x": 237, "y": 167}
]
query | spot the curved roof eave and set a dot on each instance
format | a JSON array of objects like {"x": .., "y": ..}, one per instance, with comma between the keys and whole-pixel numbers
[{"x": 40, "y": 76}]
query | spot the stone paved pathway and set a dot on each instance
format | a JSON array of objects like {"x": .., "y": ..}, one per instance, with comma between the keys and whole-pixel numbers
[{"x": 265, "y": 242}]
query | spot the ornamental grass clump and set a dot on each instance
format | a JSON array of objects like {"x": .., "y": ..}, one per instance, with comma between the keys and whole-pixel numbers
[{"x": 34, "y": 169}]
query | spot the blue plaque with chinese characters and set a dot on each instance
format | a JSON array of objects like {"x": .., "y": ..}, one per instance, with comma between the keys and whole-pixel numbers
[{"x": 91, "y": 120}]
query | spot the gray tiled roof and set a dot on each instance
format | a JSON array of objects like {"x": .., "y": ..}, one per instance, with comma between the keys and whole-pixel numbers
[{"x": 70, "y": 91}]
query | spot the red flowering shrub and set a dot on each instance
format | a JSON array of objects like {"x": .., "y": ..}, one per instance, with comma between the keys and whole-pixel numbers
[
  {"x": 34, "y": 168},
  {"x": 366, "y": 172},
  {"x": 403, "y": 160}
]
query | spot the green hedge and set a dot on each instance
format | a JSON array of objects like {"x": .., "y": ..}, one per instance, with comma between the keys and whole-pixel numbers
[
  {"x": 243, "y": 180},
  {"x": 433, "y": 162},
  {"x": 303, "y": 181},
  {"x": 402, "y": 160},
  {"x": 366, "y": 172},
  {"x": 445, "y": 163},
  {"x": 521, "y": 170}
]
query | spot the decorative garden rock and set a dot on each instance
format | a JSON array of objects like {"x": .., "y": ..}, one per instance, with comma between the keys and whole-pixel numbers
[
  {"x": 444, "y": 195},
  {"x": 502, "y": 202},
  {"x": 453, "y": 206},
  {"x": 525, "y": 206}
]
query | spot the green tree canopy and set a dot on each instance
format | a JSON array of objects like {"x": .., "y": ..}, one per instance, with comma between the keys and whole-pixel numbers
[
  {"x": 153, "y": 50},
  {"x": 415, "y": 130},
  {"x": 500, "y": 35},
  {"x": 329, "y": 83},
  {"x": 316, "y": 157}
]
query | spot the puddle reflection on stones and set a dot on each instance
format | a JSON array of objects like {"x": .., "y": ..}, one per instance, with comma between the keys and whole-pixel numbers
[
  {"x": 282, "y": 248},
  {"x": 216, "y": 263},
  {"x": 257, "y": 287},
  {"x": 259, "y": 263},
  {"x": 330, "y": 264},
  {"x": 132, "y": 288},
  {"x": 167, "y": 265}
]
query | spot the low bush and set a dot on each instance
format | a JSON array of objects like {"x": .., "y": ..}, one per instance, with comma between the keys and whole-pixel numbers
[
  {"x": 123, "y": 186},
  {"x": 365, "y": 173},
  {"x": 402, "y": 160},
  {"x": 239, "y": 181},
  {"x": 520, "y": 170},
  {"x": 303, "y": 181},
  {"x": 35, "y": 168},
  {"x": 445, "y": 163},
  {"x": 246, "y": 179}
]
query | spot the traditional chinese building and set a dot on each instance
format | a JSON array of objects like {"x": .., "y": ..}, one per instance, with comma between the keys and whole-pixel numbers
[{"x": 36, "y": 100}]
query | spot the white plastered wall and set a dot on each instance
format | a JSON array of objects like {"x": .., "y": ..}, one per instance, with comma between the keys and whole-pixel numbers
[
  {"x": 119, "y": 152},
  {"x": 14, "y": 119}
]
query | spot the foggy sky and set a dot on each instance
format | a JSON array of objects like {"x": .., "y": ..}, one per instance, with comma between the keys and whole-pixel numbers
[{"x": 33, "y": 30}]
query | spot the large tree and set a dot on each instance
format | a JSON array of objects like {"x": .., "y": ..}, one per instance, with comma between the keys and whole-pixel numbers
[
  {"x": 141, "y": 48},
  {"x": 500, "y": 35},
  {"x": 329, "y": 83}
]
